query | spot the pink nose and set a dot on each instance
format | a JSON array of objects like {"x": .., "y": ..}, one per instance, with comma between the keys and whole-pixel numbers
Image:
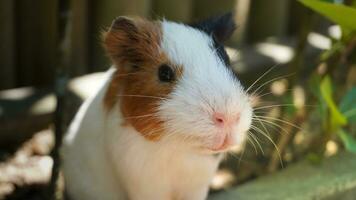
[
  {"x": 219, "y": 119},
  {"x": 222, "y": 120}
]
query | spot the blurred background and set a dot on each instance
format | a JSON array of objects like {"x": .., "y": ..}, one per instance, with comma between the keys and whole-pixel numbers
[{"x": 298, "y": 59}]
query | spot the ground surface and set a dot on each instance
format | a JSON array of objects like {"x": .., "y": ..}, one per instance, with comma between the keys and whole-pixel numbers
[
  {"x": 333, "y": 179},
  {"x": 25, "y": 173}
]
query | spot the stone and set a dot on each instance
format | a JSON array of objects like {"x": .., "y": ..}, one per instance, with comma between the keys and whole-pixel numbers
[{"x": 333, "y": 179}]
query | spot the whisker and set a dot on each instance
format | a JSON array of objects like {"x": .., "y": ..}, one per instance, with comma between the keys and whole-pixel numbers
[
  {"x": 264, "y": 127},
  {"x": 280, "y": 105},
  {"x": 233, "y": 155},
  {"x": 251, "y": 142},
  {"x": 140, "y": 116},
  {"x": 141, "y": 96},
  {"x": 262, "y": 112},
  {"x": 274, "y": 144},
  {"x": 269, "y": 123},
  {"x": 265, "y": 94},
  {"x": 127, "y": 74},
  {"x": 264, "y": 74},
  {"x": 272, "y": 106},
  {"x": 258, "y": 143},
  {"x": 274, "y": 79},
  {"x": 283, "y": 121}
]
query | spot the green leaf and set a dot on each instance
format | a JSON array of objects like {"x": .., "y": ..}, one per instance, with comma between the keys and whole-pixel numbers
[
  {"x": 340, "y": 14},
  {"x": 314, "y": 84},
  {"x": 337, "y": 119},
  {"x": 348, "y": 105},
  {"x": 348, "y": 141}
]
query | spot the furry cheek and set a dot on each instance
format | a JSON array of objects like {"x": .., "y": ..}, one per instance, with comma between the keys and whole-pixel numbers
[
  {"x": 134, "y": 47},
  {"x": 139, "y": 101}
]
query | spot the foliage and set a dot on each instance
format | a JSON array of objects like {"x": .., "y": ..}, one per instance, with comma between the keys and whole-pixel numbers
[
  {"x": 348, "y": 105},
  {"x": 349, "y": 142},
  {"x": 339, "y": 116},
  {"x": 340, "y": 14},
  {"x": 336, "y": 117}
]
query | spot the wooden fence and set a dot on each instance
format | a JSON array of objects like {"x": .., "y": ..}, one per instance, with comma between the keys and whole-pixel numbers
[{"x": 29, "y": 30}]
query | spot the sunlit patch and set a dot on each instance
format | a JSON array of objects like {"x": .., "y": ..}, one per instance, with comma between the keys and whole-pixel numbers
[
  {"x": 279, "y": 53},
  {"x": 319, "y": 41},
  {"x": 17, "y": 94},
  {"x": 222, "y": 179},
  {"x": 335, "y": 31},
  {"x": 331, "y": 148},
  {"x": 279, "y": 87},
  {"x": 86, "y": 86},
  {"x": 44, "y": 105},
  {"x": 299, "y": 97},
  {"x": 299, "y": 138}
]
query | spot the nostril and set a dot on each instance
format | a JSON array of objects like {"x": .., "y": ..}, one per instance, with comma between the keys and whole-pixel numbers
[
  {"x": 223, "y": 120},
  {"x": 219, "y": 119}
]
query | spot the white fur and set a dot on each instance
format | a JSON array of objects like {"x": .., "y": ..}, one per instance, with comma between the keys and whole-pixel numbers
[
  {"x": 207, "y": 86},
  {"x": 103, "y": 160}
]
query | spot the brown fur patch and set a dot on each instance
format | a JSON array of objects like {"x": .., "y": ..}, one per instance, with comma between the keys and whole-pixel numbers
[
  {"x": 133, "y": 42},
  {"x": 134, "y": 47}
]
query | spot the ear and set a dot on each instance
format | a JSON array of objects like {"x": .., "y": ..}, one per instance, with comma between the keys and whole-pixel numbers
[
  {"x": 132, "y": 41},
  {"x": 221, "y": 27}
]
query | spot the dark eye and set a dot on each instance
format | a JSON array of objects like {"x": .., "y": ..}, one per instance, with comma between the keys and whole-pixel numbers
[{"x": 166, "y": 73}]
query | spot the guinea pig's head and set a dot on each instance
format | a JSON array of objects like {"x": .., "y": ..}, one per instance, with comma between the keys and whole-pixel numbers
[{"x": 174, "y": 82}]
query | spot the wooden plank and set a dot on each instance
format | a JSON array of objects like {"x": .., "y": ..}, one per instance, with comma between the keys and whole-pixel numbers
[
  {"x": 268, "y": 18},
  {"x": 7, "y": 44},
  {"x": 297, "y": 13},
  {"x": 242, "y": 12},
  {"x": 48, "y": 36},
  {"x": 207, "y": 8},
  {"x": 79, "y": 37},
  {"x": 27, "y": 40},
  {"x": 36, "y": 41},
  {"x": 103, "y": 12},
  {"x": 173, "y": 10}
]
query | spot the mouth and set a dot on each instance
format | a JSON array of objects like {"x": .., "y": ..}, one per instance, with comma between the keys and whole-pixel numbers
[{"x": 221, "y": 143}]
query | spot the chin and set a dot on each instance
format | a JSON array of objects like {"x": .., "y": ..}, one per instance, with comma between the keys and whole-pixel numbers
[{"x": 225, "y": 148}]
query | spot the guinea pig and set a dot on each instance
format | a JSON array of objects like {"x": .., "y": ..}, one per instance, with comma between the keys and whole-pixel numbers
[{"x": 167, "y": 109}]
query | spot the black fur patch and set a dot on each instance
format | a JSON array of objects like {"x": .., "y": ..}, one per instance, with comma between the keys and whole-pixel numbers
[
  {"x": 220, "y": 28},
  {"x": 220, "y": 50}
]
